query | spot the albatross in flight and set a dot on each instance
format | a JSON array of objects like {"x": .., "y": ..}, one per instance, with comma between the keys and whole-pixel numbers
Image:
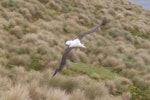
[{"x": 72, "y": 44}]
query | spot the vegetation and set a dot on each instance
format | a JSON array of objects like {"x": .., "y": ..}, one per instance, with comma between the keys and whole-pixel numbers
[
  {"x": 93, "y": 72},
  {"x": 115, "y": 65}
]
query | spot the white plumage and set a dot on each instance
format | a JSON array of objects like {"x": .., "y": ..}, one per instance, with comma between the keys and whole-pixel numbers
[{"x": 75, "y": 43}]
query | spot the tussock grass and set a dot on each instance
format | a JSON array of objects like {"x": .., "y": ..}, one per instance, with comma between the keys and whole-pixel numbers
[
  {"x": 20, "y": 93},
  {"x": 139, "y": 82},
  {"x": 33, "y": 85},
  {"x": 30, "y": 38},
  {"x": 77, "y": 95},
  {"x": 57, "y": 94},
  {"x": 111, "y": 86},
  {"x": 126, "y": 96},
  {"x": 68, "y": 85},
  {"x": 29, "y": 30},
  {"x": 19, "y": 60},
  {"x": 54, "y": 5},
  {"x": 17, "y": 31},
  {"x": 97, "y": 90}
]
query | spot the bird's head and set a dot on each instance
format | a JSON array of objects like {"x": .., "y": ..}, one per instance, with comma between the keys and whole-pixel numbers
[{"x": 67, "y": 42}]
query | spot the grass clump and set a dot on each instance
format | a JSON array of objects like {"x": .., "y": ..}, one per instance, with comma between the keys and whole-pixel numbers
[
  {"x": 96, "y": 91},
  {"x": 19, "y": 60},
  {"x": 57, "y": 94},
  {"x": 20, "y": 93},
  {"x": 68, "y": 85},
  {"x": 78, "y": 95}
]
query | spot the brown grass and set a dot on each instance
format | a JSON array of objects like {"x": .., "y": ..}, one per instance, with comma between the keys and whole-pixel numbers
[
  {"x": 29, "y": 34},
  {"x": 111, "y": 86},
  {"x": 96, "y": 90},
  {"x": 57, "y": 94},
  {"x": 17, "y": 93},
  {"x": 126, "y": 96},
  {"x": 77, "y": 95},
  {"x": 23, "y": 60},
  {"x": 17, "y": 31}
]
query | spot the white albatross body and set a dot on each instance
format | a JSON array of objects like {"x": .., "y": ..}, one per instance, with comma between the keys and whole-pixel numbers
[{"x": 75, "y": 43}]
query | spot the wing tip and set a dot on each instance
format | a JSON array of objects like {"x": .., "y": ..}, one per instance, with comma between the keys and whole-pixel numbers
[{"x": 55, "y": 73}]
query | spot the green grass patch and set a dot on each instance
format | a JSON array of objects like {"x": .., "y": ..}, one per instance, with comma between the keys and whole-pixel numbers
[
  {"x": 68, "y": 72},
  {"x": 93, "y": 72}
]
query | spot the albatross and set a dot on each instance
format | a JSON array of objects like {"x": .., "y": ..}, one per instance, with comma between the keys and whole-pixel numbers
[{"x": 73, "y": 44}]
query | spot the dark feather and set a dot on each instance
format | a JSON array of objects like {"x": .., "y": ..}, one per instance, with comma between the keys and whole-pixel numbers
[
  {"x": 88, "y": 32},
  {"x": 63, "y": 60}
]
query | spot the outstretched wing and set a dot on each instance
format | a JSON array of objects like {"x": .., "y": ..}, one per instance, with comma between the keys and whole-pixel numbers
[
  {"x": 88, "y": 32},
  {"x": 63, "y": 60}
]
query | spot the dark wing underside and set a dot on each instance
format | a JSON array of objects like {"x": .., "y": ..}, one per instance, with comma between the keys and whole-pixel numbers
[
  {"x": 63, "y": 61},
  {"x": 88, "y": 32}
]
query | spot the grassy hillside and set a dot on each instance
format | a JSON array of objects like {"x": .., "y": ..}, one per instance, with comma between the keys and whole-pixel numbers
[{"x": 115, "y": 65}]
